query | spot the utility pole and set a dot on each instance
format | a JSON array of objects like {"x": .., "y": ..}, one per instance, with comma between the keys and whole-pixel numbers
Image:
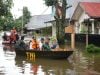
[{"x": 22, "y": 20}]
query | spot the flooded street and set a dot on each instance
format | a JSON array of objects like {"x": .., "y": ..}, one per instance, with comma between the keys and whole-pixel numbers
[{"x": 80, "y": 63}]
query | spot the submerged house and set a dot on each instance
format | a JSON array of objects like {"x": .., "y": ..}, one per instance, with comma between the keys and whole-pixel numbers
[
  {"x": 87, "y": 18},
  {"x": 38, "y": 22}
]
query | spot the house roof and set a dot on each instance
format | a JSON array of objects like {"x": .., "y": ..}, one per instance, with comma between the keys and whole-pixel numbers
[
  {"x": 91, "y": 8},
  {"x": 38, "y": 21}
]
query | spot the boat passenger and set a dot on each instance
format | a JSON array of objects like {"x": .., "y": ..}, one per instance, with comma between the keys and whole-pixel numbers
[
  {"x": 54, "y": 44},
  {"x": 34, "y": 44},
  {"x": 13, "y": 36},
  {"x": 14, "y": 30},
  {"x": 46, "y": 46},
  {"x": 20, "y": 44},
  {"x": 41, "y": 43},
  {"x": 4, "y": 37}
]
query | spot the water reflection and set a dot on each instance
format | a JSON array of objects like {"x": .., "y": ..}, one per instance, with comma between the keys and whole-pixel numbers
[{"x": 44, "y": 66}]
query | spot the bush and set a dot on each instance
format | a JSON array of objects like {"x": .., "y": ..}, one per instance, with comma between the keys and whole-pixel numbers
[{"x": 92, "y": 48}]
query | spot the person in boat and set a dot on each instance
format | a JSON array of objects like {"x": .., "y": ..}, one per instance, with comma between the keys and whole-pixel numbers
[
  {"x": 14, "y": 30},
  {"x": 20, "y": 44},
  {"x": 4, "y": 37},
  {"x": 14, "y": 36},
  {"x": 46, "y": 46},
  {"x": 34, "y": 44},
  {"x": 41, "y": 43},
  {"x": 54, "y": 44}
]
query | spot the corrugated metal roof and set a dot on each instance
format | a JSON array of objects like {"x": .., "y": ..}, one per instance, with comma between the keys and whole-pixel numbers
[{"x": 38, "y": 21}]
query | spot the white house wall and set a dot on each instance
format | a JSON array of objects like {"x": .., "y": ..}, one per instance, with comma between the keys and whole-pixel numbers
[
  {"x": 54, "y": 30},
  {"x": 78, "y": 25}
]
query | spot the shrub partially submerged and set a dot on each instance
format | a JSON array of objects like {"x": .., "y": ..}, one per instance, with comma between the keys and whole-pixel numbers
[{"x": 92, "y": 48}]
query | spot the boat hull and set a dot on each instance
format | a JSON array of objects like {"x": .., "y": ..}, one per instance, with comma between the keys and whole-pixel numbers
[{"x": 31, "y": 54}]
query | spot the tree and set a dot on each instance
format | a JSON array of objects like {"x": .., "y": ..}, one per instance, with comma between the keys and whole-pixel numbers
[
  {"x": 18, "y": 23},
  {"x": 6, "y": 22},
  {"x": 6, "y": 17},
  {"x": 60, "y": 17},
  {"x": 5, "y": 6},
  {"x": 26, "y": 15}
]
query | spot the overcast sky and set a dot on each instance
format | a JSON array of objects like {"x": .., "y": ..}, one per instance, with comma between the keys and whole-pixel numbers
[{"x": 36, "y": 7}]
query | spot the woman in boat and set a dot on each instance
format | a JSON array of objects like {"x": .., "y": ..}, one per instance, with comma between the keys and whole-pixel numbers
[
  {"x": 41, "y": 43},
  {"x": 34, "y": 44},
  {"x": 46, "y": 46}
]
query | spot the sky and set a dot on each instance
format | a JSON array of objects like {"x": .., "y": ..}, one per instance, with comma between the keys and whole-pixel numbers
[{"x": 36, "y": 7}]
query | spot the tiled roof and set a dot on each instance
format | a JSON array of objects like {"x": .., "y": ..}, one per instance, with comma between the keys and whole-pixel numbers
[{"x": 91, "y": 8}]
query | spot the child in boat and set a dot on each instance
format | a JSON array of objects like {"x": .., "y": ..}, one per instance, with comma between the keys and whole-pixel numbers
[{"x": 46, "y": 46}]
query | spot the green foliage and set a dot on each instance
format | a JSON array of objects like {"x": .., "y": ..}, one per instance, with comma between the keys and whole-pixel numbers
[
  {"x": 18, "y": 23},
  {"x": 50, "y": 2},
  {"x": 6, "y": 17},
  {"x": 92, "y": 48},
  {"x": 59, "y": 18},
  {"x": 83, "y": 30},
  {"x": 26, "y": 15},
  {"x": 46, "y": 31},
  {"x": 5, "y": 6},
  {"x": 6, "y": 22}
]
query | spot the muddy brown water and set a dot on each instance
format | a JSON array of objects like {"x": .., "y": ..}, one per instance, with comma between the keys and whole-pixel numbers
[{"x": 80, "y": 63}]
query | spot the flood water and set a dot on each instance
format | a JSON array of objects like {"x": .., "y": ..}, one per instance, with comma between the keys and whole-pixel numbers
[{"x": 80, "y": 63}]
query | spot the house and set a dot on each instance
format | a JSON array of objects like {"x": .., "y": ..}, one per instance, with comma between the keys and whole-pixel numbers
[
  {"x": 85, "y": 23},
  {"x": 87, "y": 11},
  {"x": 70, "y": 12},
  {"x": 74, "y": 4},
  {"x": 38, "y": 22}
]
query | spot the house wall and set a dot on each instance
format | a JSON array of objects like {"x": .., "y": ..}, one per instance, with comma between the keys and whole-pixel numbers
[
  {"x": 54, "y": 29},
  {"x": 79, "y": 26},
  {"x": 82, "y": 28}
]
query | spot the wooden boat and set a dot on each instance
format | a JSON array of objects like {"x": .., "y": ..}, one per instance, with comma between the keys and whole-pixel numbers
[{"x": 32, "y": 54}]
